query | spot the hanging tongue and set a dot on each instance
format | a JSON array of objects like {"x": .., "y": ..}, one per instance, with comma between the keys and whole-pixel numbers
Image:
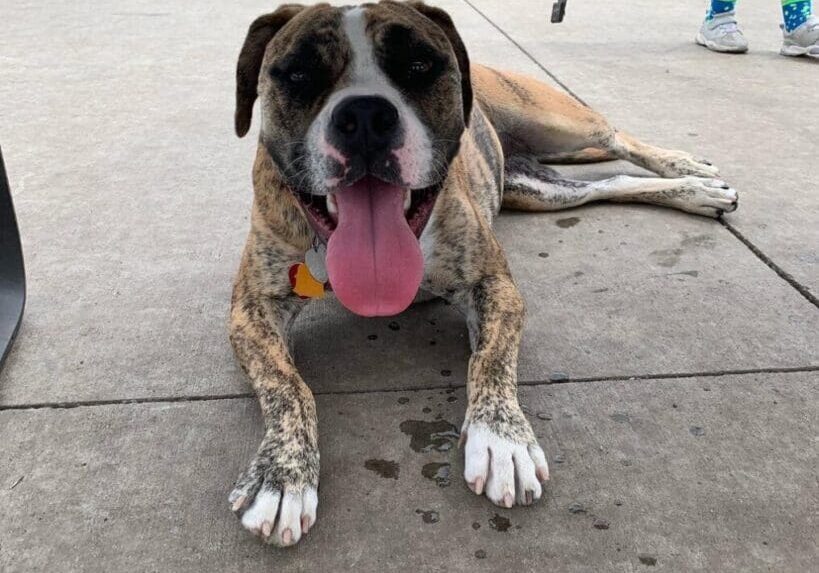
[{"x": 374, "y": 261}]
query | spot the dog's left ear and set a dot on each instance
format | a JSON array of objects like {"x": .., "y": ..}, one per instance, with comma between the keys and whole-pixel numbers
[
  {"x": 259, "y": 35},
  {"x": 445, "y": 23}
]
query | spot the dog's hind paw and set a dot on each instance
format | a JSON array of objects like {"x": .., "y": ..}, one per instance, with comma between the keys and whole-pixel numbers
[
  {"x": 708, "y": 197},
  {"x": 508, "y": 471},
  {"x": 271, "y": 505}
]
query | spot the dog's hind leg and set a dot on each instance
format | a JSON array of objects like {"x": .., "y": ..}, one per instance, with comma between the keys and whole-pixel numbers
[
  {"x": 534, "y": 118},
  {"x": 531, "y": 186}
]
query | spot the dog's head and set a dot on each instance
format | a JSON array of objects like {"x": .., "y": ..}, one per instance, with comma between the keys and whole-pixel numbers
[{"x": 362, "y": 110}]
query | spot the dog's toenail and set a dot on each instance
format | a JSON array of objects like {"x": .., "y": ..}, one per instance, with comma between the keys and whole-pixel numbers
[
  {"x": 267, "y": 528},
  {"x": 237, "y": 505},
  {"x": 508, "y": 500},
  {"x": 287, "y": 536}
]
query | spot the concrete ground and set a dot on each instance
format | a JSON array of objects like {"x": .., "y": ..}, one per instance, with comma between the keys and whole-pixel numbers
[{"x": 670, "y": 363}]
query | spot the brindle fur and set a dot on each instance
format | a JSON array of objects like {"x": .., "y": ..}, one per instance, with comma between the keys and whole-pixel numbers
[{"x": 514, "y": 122}]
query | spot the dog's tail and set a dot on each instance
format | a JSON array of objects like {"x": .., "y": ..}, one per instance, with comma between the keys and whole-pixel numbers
[{"x": 528, "y": 185}]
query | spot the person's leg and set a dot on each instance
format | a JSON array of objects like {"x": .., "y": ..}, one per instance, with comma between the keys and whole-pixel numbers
[
  {"x": 800, "y": 29},
  {"x": 718, "y": 7},
  {"x": 795, "y": 13},
  {"x": 719, "y": 32}
]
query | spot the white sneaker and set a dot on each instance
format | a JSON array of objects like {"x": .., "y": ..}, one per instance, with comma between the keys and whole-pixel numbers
[
  {"x": 802, "y": 41},
  {"x": 721, "y": 34}
]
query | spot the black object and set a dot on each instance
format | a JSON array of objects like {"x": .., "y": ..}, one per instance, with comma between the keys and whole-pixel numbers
[
  {"x": 12, "y": 272},
  {"x": 558, "y": 11}
]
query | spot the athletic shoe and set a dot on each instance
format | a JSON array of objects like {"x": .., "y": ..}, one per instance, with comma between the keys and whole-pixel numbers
[
  {"x": 721, "y": 34},
  {"x": 802, "y": 41}
]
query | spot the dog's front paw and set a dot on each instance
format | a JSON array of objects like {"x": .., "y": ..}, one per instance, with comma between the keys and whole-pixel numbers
[
  {"x": 504, "y": 460},
  {"x": 276, "y": 497},
  {"x": 681, "y": 164}
]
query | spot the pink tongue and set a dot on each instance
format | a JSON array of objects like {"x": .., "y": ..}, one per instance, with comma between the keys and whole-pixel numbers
[{"x": 374, "y": 261}]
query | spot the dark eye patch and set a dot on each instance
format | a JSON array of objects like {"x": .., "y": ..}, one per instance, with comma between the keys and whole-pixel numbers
[
  {"x": 410, "y": 62},
  {"x": 303, "y": 74}
]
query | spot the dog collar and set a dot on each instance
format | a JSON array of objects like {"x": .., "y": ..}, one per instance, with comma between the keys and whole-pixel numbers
[{"x": 309, "y": 278}]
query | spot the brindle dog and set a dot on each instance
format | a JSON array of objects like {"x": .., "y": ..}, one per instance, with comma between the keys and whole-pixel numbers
[{"x": 380, "y": 140}]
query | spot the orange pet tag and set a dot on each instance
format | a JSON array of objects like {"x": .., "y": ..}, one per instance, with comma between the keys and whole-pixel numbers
[{"x": 303, "y": 282}]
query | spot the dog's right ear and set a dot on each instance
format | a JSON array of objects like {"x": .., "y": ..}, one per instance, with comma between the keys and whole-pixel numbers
[{"x": 259, "y": 35}]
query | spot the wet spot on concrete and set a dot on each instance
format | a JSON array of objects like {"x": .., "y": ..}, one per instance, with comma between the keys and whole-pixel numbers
[
  {"x": 480, "y": 554},
  {"x": 428, "y": 516},
  {"x": 426, "y": 409},
  {"x": 452, "y": 399},
  {"x": 543, "y": 255},
  {"x": 500, "y": 523},
  {"x": 437, "y": 472},
  {"x": 558, "y": 376},
  {"x": 697, "y": 431},
  {"x": 618, "y": 502},
  {"x": 705, "y": 241},
  {"x": 666, "y": 257},
  {"x": 599, "y": 290},
  {"x": 626, "y": 462},
  {"x": 446, "y": 372},
  {"x": 476, "y": 525},
  {"x": 544, "y": 416},
  {"x": 394, "y": 326},
  {"x": 432, "y": 343},
  {"x": 403, "y": 400},
  {"x": 620, "y": 418},
  {"x": 385, "y": 468},
  {"x": 600, "y": 523},
  {"x": 576, "y": 507},
  {"x": 559, "y": 458},
  {"x": 372, "y": 337},
  {"x": 438, "y": 435},
  {"x": 567, "y": 222},
  {"x": 646, "y": 559}
]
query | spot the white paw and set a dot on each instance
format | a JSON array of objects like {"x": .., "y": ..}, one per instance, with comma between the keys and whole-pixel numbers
[
  {"x": 296, "y": 512},
  {"x": 709, "y": 197},
  {"x": 510, "y": 472}
]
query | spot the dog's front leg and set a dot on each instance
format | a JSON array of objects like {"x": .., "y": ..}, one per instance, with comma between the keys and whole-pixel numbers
[
  {"x": 502, "y": 456},
  {"x": 276, "y": 497}
]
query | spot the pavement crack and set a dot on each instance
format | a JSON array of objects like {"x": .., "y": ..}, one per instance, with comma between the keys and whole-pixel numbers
[
  {"x": 534, "y": 60},
  {"x": 529, "y": 383},
  {"x": 784, "y": 275}
]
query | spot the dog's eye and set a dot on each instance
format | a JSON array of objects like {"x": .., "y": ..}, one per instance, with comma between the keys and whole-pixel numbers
[
  {"x": 420, "y": 67},
  {"x": 297, "y": 76}
]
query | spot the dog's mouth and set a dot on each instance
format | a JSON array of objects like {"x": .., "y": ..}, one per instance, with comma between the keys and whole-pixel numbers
[
  {"x": 374, "y": 259},
  {"x": 322, "y": 210}
]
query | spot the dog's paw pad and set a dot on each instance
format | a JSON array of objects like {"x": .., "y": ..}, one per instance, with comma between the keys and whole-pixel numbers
[{"x": 508, "y": 472}]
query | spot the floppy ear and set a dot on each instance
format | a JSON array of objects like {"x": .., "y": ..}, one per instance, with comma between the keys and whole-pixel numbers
[
  {"x": 259, "y": 35},
  {"x": 445, "y": 23}
]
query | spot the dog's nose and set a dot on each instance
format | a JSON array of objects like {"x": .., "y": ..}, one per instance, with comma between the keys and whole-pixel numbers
[{"x": 368, "y": 122}]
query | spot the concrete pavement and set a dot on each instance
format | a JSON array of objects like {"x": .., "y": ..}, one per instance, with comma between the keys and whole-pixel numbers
[{"x": 682, "y": 352}]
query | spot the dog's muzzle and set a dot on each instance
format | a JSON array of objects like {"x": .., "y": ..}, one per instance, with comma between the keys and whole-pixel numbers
[{"x": 367, "y": 130}]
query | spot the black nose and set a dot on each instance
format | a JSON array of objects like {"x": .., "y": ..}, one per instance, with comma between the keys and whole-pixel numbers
[{"x": 365, "y": 123}]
